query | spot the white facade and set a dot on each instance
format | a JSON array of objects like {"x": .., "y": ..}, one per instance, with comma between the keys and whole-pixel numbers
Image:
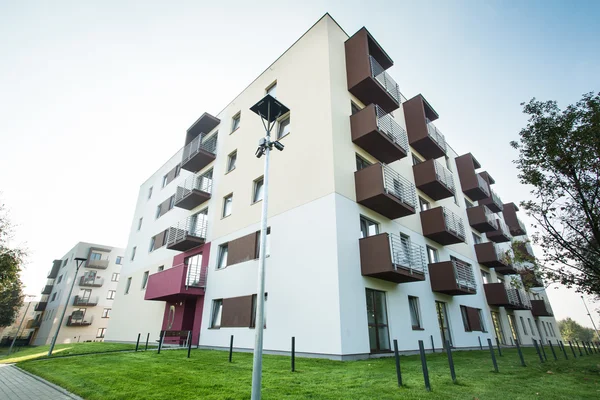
[{"x": 315, "y": 288}]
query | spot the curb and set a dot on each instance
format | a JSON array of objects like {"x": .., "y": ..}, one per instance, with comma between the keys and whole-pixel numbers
[{"x": 52, "y": 385}]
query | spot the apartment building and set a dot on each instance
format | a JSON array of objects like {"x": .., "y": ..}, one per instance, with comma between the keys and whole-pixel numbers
[
  {"x": 24, "y": 331},
  {"x": 378, "y": 228},
  {"x": 90, "y": 305}
]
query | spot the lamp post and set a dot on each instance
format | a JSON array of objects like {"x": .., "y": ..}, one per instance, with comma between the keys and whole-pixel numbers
[
  {"x": 21, "y": 324},
  {"x": 79, "y": 261},
  {"x": 269, "y": 110},
  {"x": 591, "y": 319}
]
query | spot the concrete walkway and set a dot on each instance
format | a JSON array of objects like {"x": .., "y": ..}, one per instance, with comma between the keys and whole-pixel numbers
[{"x": 16, "y": 384}]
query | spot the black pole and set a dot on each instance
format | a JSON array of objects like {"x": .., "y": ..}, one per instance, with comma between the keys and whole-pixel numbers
[
  {"x": 564, "y": 350},
  {"x": 520, "y": 354},
  {"x": 480, "y": 346},
  {"x": 432, "y": 345},
  {"x": 553, "y": 352},
  {"x": 591, "y": 347},
  {"x": 585, "y": 348},
  {"x": 189, "y": 343},
  {"x": 147, "y": 338},
  {"x": 499, "y": 349},
  {"x": 230, "y": 348},
  {"x": 160, "y": 340},
  {"x": 493, "y": 355},
  {"x": 138, "y": 342},
  {"x": 450, "y": 361},
  {"x": 293, "y": 353},
  {"x": 397, "y": 357},
  {"x": 579, "y": 348},
  {"x": 572, "y": 349},
  {"x": 537, "y": 348},
  {"x": 424, "y": 365},
  {"x": 543, "y": 350}
]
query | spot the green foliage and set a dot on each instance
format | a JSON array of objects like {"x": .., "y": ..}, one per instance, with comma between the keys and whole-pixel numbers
[
  {"x": 61, "y": 350},
  {"x": 11, "y": 261},
  {"x": 559, "y": 157},
  {"x": 571, "y": 330}
]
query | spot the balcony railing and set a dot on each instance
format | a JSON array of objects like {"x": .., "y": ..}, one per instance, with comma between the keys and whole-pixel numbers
[
  {"x": 84, "y": 321},
  {"x": 189, "y": 233},
  {"x": 85, "y": 301},
  {"x": 490, "y": 217},
  {"x": 435, "y": 134},
  {"x": 483, "y": 185},
  {"x": 407, "y": 255},
  {"x": 502, "y": 234},
  {"x": 97, "y": 264},
  {"x": 454, "y": 223},
  {"x": 199, "y": 152},
  {"x": 91, "y": 281},
  {"x": 194, "y": 191},
  {"x": 386, "y": 124},
  {"x": 384, "y": 79},
  {"x": 444, "y": 175},
  {"x": 196, "y": 276},
  {"x": 463, "y": 272},
  {"x": 399, "y": 187},
  {"x": 513, "y": 295}
]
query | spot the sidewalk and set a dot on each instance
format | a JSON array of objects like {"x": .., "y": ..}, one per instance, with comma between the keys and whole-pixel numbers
[{"x": 18, "y": 385}]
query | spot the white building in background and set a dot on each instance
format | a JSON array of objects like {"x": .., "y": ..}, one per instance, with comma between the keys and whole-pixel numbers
[
  {"x": 378, "y": 228},
  {"x": 90, "y": 306},
  {"x": 26, "y": 313}
]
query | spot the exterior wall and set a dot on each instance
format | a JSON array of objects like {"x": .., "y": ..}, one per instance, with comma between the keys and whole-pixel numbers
[{"x": 26, "y": 311}]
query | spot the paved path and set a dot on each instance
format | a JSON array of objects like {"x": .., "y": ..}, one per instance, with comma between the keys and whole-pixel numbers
[{"x": 18, "y": 385}]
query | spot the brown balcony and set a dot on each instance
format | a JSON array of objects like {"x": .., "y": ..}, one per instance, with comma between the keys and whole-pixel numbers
[
  {"x": 47, "y": 289},
  {"x": 194, "y": 191},
  {"x": 91, "y": 281},
  {"x": 482, "y": 219},
  {"x": 516, "y": 227},
  {"x": 199, "y": 153},
  {"x": 442, "y": 226},
  {"x": 493, "y": 202},
  {"x": 452, "y": 277},
  {"x": 79, "y": 319},
  {"x": 499, "y": 295},
  {"x": 379, "y": 134},
  {"x": 501, "y": 235},
  {"x": 383, "y": 190},
  {"x": 366, "y": 63},
  {"x": 41, "y": 306},
  {"x": 423, "y": 136},
  {"x": 541, "y": 308},
  {"x": 433, "y": 179},
  {"x": 473, "y": 185},
  {"x": 56, "y": 264},
  {"x": 177, "y": 283},
  {"x": 187, "y": 234},
  {"x": 530, "y": 278},
  {"x": 85, "y": 301},
  {"x": 491, "y": 256},
  {"x": 388, "y": 257}
]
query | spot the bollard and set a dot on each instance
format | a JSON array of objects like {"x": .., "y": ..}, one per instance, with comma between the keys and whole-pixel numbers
[
  {"x": 537, "y": 348},
  {"x": 585, "y": 348},
  {"x": 493, "y": 355},
  {"x": 293, "y": 353},
  {"x": 543, "y": 350},
  {"x": 432, "y": 345},
  {"x": 138, "y": 342},
  {"x": 147, "y": 338},
  {"x": 160, "y": 340},
  {"x": 579, "y": 348},
  {"x": 189, "y": 343},
  {"x": 499, "y": 349},
  {"x": 480, "y": 346},
  {"x": 230, "y": 348},
  {"x": 592, "y": 347},
  {"x": 564, "y": 350},
  {"x": 572, "y": 349},
  {"x": 553, "y": 352},
  {"x": 450, "y": 361},
  {"x": 520, "y": 354},
  {"x": 424, "y": 366},
  {"x": 397, "y": 357}
]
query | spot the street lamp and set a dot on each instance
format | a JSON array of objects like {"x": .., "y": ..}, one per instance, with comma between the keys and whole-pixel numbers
[
  {"x": 79, "y": 262},
  {"x": 21, "y": 324},
  {"x": 269, "y": 110}
]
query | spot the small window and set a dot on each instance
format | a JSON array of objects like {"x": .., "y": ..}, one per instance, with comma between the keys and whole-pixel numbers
[
  {"x": 432, "y": 255},
  {"x": 354, "y": 107},
  {"x": 481, "y": 320},
  {"x": 161, "y": 268},
  {"x": 128, "y": 285},
  {"x": 217, "y": 310},
  {"x": 468, "y": 203},
  {"x": 59, "y": 279},
  {"x": 145, "y": 279},
  {"x": 368, "y": 227},
  {"x": 258, "y": 190},
  {"x": 158, "y": 211},
  {"x": 65, "y": 262},
  {"x": 361, "y": 163},
  {"x": 150, "y": 193},
  {"x": 171, "y": 202},
  {"x": 476, "y": 238},
  {"x": 152, "y": 242},
  {"x": 486, "y": 277},
  {"x": 253, "y": 314},
  {"x": 111, "y": 294},
  {"x": 267, "y": 244},
  {"x": 416, "y": 160},
  {"x": 523, "y": 325},
  {"x": 231, "y": 159},
  {"x": 223, "y": 251},
  {"x": 53, "y": 296},
  {"x": 101, "y": 332},
  {"x": 465, "y": 318},
  {"x": 272, "y": 89},
  {"x": 106, "y": 313},
  {"x": 424, "y": 204},
  {"x": 165, "y": 180},
  {"x": 235, "y": 121},
  {"x": 545, "y": 329},
  {"x": 133, "y": 253},
  {"x": 177, "y": 170},
  {"x": 284, "y": 127},
  {"x": 448, "y": 163},
  {"x": 115, "y": 277},
  {"x": 415, "y": 315},
  {"x": 95, "y": 256},
  {"x": 140, "y": 224},
  {"x": 227, "y": 205},
  {"x": 531, "y": 327},
  {"x": 119, "y": 260}
]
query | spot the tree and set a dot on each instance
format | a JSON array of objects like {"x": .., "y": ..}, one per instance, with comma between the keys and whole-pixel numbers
[
  {"x": 571, "y": 331},
  {"x": 11, "y": 261},
  {"x": 559, "y": 157}
]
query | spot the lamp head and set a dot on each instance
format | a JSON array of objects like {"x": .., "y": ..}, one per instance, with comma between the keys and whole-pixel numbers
[{"x": 269, "y": 108}]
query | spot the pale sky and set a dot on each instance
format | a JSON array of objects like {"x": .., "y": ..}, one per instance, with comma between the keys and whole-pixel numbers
[{"x": 95, "y": 97}]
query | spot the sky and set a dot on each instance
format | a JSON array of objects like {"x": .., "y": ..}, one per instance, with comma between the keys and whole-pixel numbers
[{"x": 96, "y": 95}]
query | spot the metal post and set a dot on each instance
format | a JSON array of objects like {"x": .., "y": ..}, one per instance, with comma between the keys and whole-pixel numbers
[
  {"x": 564, "y": 350},
  {"x": 520, "y": 354},
  {"x": 160, "y": 340},
  {"x": 189, "y": 343},
  {"x": 480, "y": 345},
  {"x": 397, "y": 359},
  {"x": 579, "y": 348},
  {"x": 499, "y": 348},
  {"x": 590, "y": 315},
  {"x": 230, "y": 348},
  {"x": 585, "y": 348},
  {"x": 19, "y": 328},
  {"x": 493, "y": 355},
  {"x": 432, "y": 345},
  {"x": 424, "y": 366},
  {"x": 537, "y": 348},
  {"x": 572, "y": 349},
  {"x": 293, "y": 353},
  {"x": 138, "y": 342},
  {"x": 450, "y": 361},
  {"x": 553, "y": 352},
  {"x": 79, "y": 262},
  {"x": 147, "y": 338},
  {"x": 543, "y": 350}
]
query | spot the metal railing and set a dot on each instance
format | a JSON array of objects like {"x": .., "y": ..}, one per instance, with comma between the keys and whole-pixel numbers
[
  {"x": 444, "y": 175},
  {"x": 85, "y": 301},
  {"x": 521, "y": 225},
  {"x": 199, "y": 143},
  {"x": 196, "y": 276},
  {"x": 91, "y": 281},
  {"x": 496, "y": 199},
  {"x": 84, "y": 321},
  {"x": 194, "y": 225},
  {"x": 454, "y": 223},
  {"x": 490, "y": 217},
  {"x": 386, "y": 124},
  {"x": 525, "y": 300},
  {"x": 384, "y": 79},
  {"x": 483, "y": 185},
  {"x": 98, "y": 264},
  {"x": 502, "y": 227},
  {"x": 436, "y": 135},
  {"x": 463, "y": 272},
  {"x": 398, "y": 186},
  {"x": 513, "y": 295},
  {"x": 407, "y": 255},
  {"x": 194, "y": 182}
]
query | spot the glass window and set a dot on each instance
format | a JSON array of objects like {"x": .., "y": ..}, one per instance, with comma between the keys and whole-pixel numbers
[
  {"x": 101, "y": 332},
  {"x": 217, "y": 310},
  {"x": 361, "y": 163},
  {"x": 531, "y": 327},
  {"x": 512, "y": 323},
  {"x": 258, "y": 190},
  {"x": 231, "y": 159},
  {"x": 523, "y": 325},
  {"x": 465, "y": 318},
  {"x": 267, "y": 244},
  {"x": 497, "y": 322},
  {"x": 161, "y": 268},
  {"x": 481, "y": 320},
  {"x": 379, "y": 338},
  {"x": 158, "y": 211},
  {"x": 545, "y": 329},
  {"x": 115, "y": 277},
  {"x": 111, "y": 294},
  {"x": 106, "y": 313},
  {"x": 442, "y": 314},
  {"x": 152, "y": 241},
  {"x": 177, "y": 170},
  {"x": 415, "y": 316},
  {"x": 253, "y": 315},
  {"x": 53, "y": 296},
  {"x": 448, "y": 163},
  {"x": 227, "y": 205},
  {"x": 59, "y": 279},
  {"x": 65, "y": 262},
  {"x": 223, "y": 251},
  {"x": 171, "y": 202},
  {"x": 150, "y": 193},
  {"x": 96, "y": 256},
  {"x": 468, "y": 203},
  {"x": 272, "y": 89},
  {"x": 476, "y": 238},
  {"x": 145, "y": 279},
  {"x": 165, "y": 180},
  {"x": 416, "y": 160},
  {"x": 432, "y": 255},
  {"x": 119, "y": 260},
  {"x": 284, "y": 127},
  {"x": 424, "y": 204},
  {"x": 368, "y": 227},
  {"x": 486, "y": 277},
  {"x": 128, "y": 286},
  {"x": 235, "y": 121},
  {"x": 354, "y": 107}
]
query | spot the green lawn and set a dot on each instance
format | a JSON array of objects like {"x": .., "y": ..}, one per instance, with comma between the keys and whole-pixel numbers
[
  {"x": 30, "y": 353},
  {"x": 208, "y": 375}
]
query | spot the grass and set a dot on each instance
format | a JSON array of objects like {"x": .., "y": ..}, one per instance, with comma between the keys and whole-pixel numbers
[
  {"x": 208, "y": 375},
  {"x": 37, "y": 352}
]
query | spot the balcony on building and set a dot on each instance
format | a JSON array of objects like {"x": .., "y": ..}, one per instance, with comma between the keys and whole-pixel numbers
[
  {"x": 524, "y": 249},
  {"x": 442, "y": 226},
  {"x": 530, "y": 278},
  {"x": 85, "y": 301},
  {"x": 48, "y": 289},
  {"x": 515, "y": 225},
  {"x": 433, "y": 179},
  {"x": 482, "y": 219},
  {"x": 379, "y": 134},
  {"x": 493, "y": 202},
  {"x": 473, "y": 185},
  {"x": 176, "y": 283},
  {"x": 56, "y": 264},
  {"x": 490, "y": 255},
  {"x": 382, "y": 189},
  {"x": 423, "y": 135},
  {"x": 41, "y": 306},
  {"x": 541, "y": 308},
  {"x": 366, "y": 65},
  {"x": 188, "y": 233},
  {"x": 500, "y": 235},
  {"x": 389, "y": 257},
  {"x": 452, "y": 277},
  {"x": 91, "y": 281},
  {"x": 33, "y": 323},
  {"x": 500, "y": 295},
  {"x": 194, "y": 191},
  {"x": 77, "y": 318},
  {"x": 200, "y": 148}
]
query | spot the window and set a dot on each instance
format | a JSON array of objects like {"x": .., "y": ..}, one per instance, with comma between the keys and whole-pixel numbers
[
  {"x": 223, "y": 251},
  {"x": 415, "y": 316},
  {"x": 177, "y": 170},
  {"x": 465, "y": 318},
  {"x": 161, "y": 268},
  {"x": 442, "y": 314},
  {"x": 272, "y": 89},
  {"x": 53, "y": 296},
  {"x": 531, "y": 327},
  {"x": 267, "y": 244},
  {"x": 231, "y": 159},
  {"x": 468, "y": 203},
  {"x": 119, "y": 260},
  {"x": 133, "y": 253},
  {"x": 476, "y": 238},
  {"x": 523, "y": 325},
  {"x": 432, "y": 255},
  {"x": 424, "y": 204},
  {"x": 258, "y": 190},
  {"x": 377, "y": 321},
  {"x": 284, "y": 127},
  {"x": 152, "y": 241},
  {"x": 481, "y": 320},
  {"x": 545, "y": 329},
  {"x": 486, "y": 277},
  {"x": 227, "y": 204},
  {"x": 140, "y": 224},
  {"x": 512, "y": 323},
  {"x": 217, "y": 310},
  {"x": 95, "y": 256},
  {"x": 416, "y": 160},
  {"x": 101, "y": 332},
  {"x": 448, "y": 163},
  {"x": 150, "y": 193},
  {"x": 65, "y": 262},
  {"x": 253, "y": 315},
  {"x": 171, "y": 202},
  {"x": 145, "y": 279},
  {"x": 106, "y": 313},
  {"x": 59, "y": 279},
  {"x": 165, "y": 180},
  {"x": 158, "y": 211},
  {"x": 115, "y": 277},
  {"x": 111, "y": 294},
  {"x": 497, "y": 322},
  {"x": 368, "y": 227},
  {"x": 551, "y": 329},
  {"x": 128, "y": 285},
  {"x": 235, "y": 121},
  {"x": 354, "y": 107},
  {"x": 361, "y": 163}
]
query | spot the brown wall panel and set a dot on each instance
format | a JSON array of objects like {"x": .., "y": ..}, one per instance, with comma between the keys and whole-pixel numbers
[
  {"x": 473, "y": 317},
  {"x": 237, "y": 312},
  {"x": 242, "y": 249}
]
